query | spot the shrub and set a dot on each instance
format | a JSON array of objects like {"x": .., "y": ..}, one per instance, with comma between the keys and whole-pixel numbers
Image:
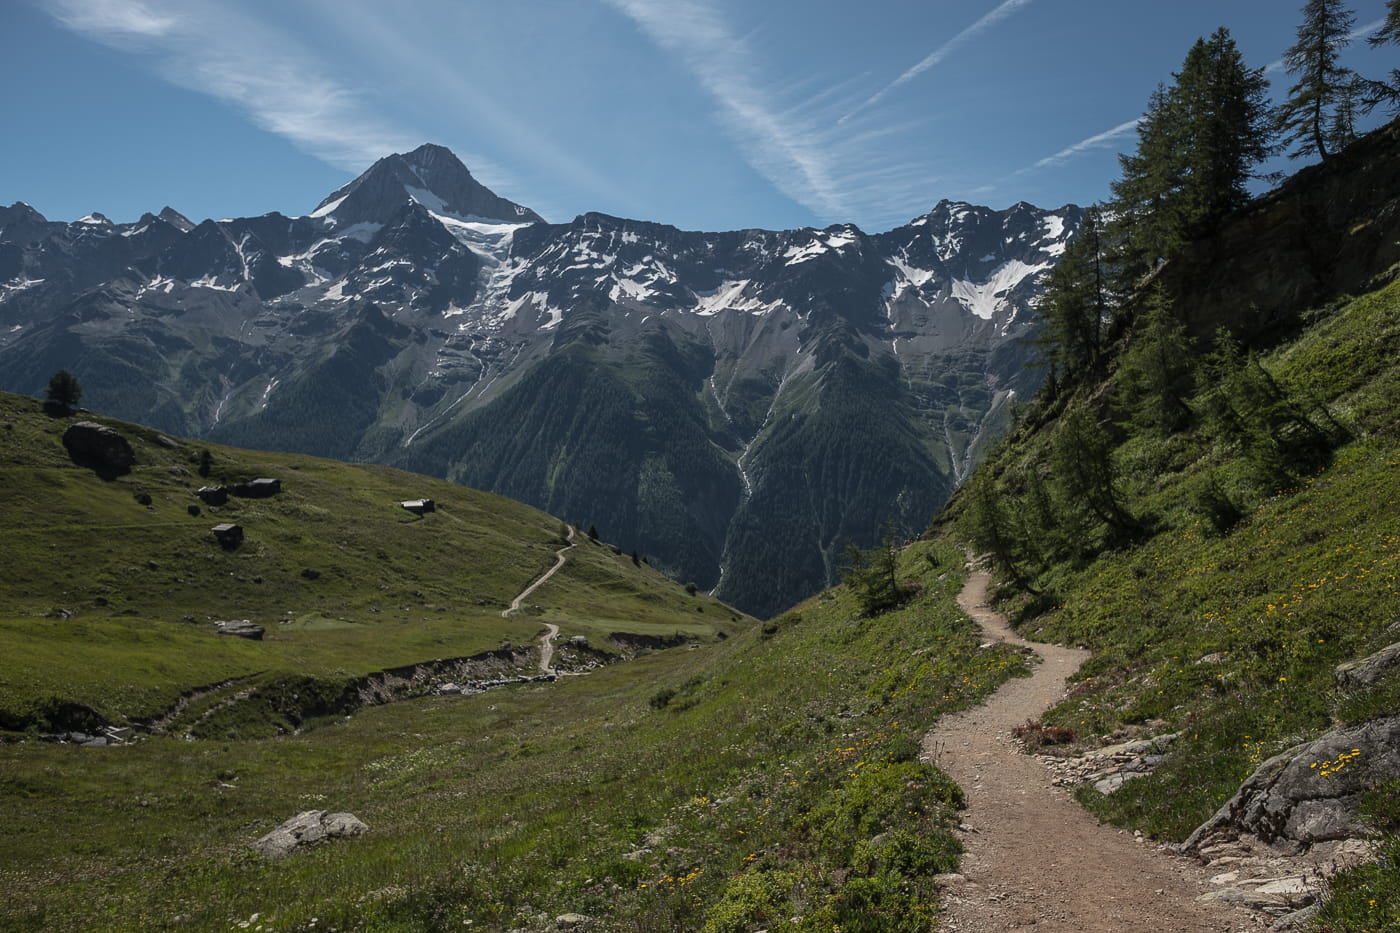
[{"x": 1035, "y": 735}]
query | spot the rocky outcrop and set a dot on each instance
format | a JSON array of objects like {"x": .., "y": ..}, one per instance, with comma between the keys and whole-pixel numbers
[
  {"x": 1309, "y": 793},
  {"x": 99, "y": 447},
  {"x": 1356, "y": 675},
  {"x": 309, "y": 828},
  {"x": 1287, "y": 888},
  {"x": 1108, "y": 769}
]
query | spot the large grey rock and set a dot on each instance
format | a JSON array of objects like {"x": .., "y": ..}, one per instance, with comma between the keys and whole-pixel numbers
[
  {"x": 1367, "y": 672},
  {"x": 309, "y": 828},
  {"x": 243, "y": 628},
  {"x": 1311, "y": 792},
  {"x": 97, "y": 446}
]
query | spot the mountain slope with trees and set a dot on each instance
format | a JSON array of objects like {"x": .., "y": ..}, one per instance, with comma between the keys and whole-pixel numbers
[{"x": 1206, "y": 493}]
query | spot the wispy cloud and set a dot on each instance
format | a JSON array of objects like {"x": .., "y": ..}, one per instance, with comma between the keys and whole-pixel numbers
[
  {"x": 1105, "y": 140},
  {"x": 1001, "y": 12},
  {"x": 791, "y": 152},
  {"x": 116, "y": 20},
  {"x": 217, "y": 50},
  {"x": 1360, "y": 32}
]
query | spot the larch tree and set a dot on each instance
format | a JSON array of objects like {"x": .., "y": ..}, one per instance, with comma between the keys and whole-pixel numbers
[
  {"x": 1199, "y": 143},
  {"x": 1375, "y": 93},
  {"x": 1306, "y": 118},
  {"x": 1075, "y": 303},
  {"x": 1156, "y": 375}
]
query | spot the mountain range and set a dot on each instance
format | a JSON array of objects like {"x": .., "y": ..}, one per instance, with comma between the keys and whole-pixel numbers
[{"x": 738, "y": 406}]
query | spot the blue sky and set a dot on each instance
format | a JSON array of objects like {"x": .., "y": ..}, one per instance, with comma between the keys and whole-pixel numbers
[{"x": 706, "y": 114}]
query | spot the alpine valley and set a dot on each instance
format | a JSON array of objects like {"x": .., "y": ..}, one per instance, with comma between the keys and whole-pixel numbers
[{"x": 737, "y": 407}]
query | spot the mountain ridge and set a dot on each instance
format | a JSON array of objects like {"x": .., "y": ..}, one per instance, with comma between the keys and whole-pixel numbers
[{"x": 236, "y": 329}]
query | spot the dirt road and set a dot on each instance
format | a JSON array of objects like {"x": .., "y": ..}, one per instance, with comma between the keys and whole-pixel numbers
[{"x": 1035, "y": 859}]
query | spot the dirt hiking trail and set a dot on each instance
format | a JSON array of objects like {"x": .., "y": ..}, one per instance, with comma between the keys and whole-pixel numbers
[
  {"x": 559, "y": 560},
  {"x": 1035, "y": 859},
  {"x": 551, "y": 630}
]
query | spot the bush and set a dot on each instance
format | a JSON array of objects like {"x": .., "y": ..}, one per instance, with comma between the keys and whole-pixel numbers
[{"x": 1035, "y": 735}]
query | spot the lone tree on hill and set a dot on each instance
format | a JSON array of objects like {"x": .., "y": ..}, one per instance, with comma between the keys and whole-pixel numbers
[
  {"x": 64, "y": 389},
  {"x": 1308, "y": 116}
]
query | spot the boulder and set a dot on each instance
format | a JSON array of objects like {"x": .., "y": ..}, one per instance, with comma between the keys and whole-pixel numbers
[
  {"x": 1354, "y": 675},
  {"x": 242, "y": 628},
  {"x": 309, "y": 828},
  {"x": 97, "y": 446},
  {"x": 1311, "y": 792}
]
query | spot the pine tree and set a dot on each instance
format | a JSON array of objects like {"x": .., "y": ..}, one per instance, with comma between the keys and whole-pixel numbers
[
  {"x": 1199, "y": 142},
  {"x": 1081, "y": 462},
  {"x": 1305, "y": 118},
  {"x": 1389, "y": 33},
  {"x": 986, "y": 524},
  {"x": 1374, "y": 93},
  {"x": 1341, "y": 128},
  {"x": 873, "y": 575},
  {"x": 1156, "y": 375},
  {"x": 1145, "y": 227},
  {"x": 1075, "y": 303},
  {"x": 1226, "y": 120},
  {"x": 64, "y": 389}
]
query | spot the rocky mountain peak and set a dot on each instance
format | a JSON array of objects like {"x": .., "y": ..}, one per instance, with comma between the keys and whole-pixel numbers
[
  {"x": 176, "y": 219},
  {"x": 430, "y": 175}
]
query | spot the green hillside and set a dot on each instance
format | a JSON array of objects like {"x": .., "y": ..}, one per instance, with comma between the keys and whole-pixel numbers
[
  {"x": 1217, "y": 514},
  {"x": 755, "y": 772},
  {"x": 113, "y": 586}
]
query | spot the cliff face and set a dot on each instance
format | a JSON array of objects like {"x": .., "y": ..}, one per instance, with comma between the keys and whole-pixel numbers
[{"x": 1326, "y": 231}]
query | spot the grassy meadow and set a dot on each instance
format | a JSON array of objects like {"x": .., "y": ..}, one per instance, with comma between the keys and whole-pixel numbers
[{"x": 759, "y": 773}]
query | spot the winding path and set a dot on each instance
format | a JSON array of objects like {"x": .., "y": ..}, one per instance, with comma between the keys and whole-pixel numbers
[
  {"x": 1035, "y": 859},
  {"x": 552, "y": 630}
]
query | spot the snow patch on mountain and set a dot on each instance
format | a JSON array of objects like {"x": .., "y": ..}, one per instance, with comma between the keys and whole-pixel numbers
[
  {"x": 162, "y": 284},
  {"x": 18, "y": 285},
  {"x": 822, "y": 242},
  {"x": 630, "y": 289},
  {"x": 325, "y": 210},
  {"x": 211, "y": 280},
  {"x": 986, "y": 298},
  {"x": 912, "y": 275},
  {"x": 363, "y": 231}
]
